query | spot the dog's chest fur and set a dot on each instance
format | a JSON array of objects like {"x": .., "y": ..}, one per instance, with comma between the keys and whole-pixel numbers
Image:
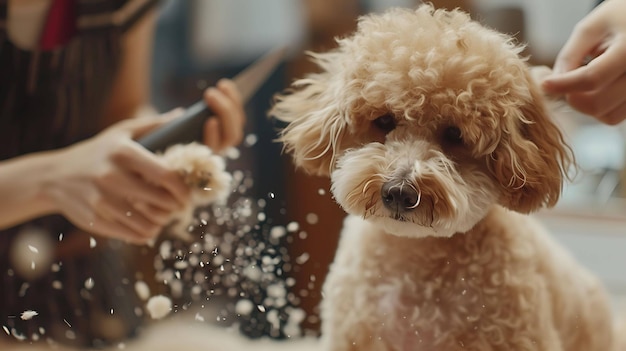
[{"x": 394, "y": 293}]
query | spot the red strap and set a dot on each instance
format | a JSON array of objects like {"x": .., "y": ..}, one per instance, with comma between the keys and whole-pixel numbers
[{"x": 60, "y": 25}]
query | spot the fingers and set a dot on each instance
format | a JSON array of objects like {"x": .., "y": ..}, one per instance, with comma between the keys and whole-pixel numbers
[
  {"x": 130, "y": 186},
  {"x": 112, "y": 186},
  {"x": 137, "y": 127},
  {"x": 583, "y": 41},
  {"x": 114, "y": 230},
  {"x": 615, "y": 116},
  {"x": 96, "y": 218},
  {"x": 227, "y": 104},
  {"x": 598, "y": 73},
  {"x": 212, "y": 135},
  {"x": 155, "y": 214},
  {"x": 600, "y": 40},
  {"x": 144, "y": 163},
  {"x": 595, "y": 88},
  {"x": 117, "y": 218},
  {"x": 229, "y": 88},
  {"x": 600, "y": 103},
  {"x": 117, "y": 211}
]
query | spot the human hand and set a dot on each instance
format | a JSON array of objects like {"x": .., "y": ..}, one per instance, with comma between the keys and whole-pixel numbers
[
  {"x": 597, "y": 88},
  {"x": 111, "y": 186},
  {"x": 226, "y": 128}
]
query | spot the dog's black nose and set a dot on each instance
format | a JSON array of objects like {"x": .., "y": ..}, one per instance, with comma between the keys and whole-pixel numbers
[{"x": 399, "y": 196}]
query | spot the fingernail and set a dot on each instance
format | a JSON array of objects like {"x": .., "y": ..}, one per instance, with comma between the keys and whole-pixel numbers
[{"x": 209, "y": 95}]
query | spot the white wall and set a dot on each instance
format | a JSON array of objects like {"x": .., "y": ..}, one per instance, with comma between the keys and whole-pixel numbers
[
  {"x": 598, "y": 244},
  {"x": 548, "y": 22}
]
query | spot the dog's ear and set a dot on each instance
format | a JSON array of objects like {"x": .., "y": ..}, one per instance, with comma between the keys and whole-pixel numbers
[
  {"x": 532, "y": 159},
  {"x": 316, "y": 124}
]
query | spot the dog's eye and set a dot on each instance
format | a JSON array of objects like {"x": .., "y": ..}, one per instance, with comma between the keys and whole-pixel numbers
[
  {"x": 386, "y": 123},
  {"x": 452, "y": 135}
]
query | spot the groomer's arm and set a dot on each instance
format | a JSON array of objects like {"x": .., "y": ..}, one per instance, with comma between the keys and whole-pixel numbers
[{"x": 97, "y": 182}]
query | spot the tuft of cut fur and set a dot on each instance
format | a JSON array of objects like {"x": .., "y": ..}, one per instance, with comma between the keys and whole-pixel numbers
[
  {"x": 205, "y": 173},
  {"x": 438, "y": 143}
]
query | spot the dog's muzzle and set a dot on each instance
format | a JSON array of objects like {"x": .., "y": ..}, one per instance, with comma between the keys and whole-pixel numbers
[{"x": 400, "y": 196}]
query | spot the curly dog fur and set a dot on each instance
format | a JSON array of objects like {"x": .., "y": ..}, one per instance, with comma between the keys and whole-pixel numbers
[
  {"x": 205, "y": 174},
  {"x": 438, "y": 144}
]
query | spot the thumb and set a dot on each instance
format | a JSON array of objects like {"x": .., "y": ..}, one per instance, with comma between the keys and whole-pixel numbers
[{"x": 140, "y": 126}]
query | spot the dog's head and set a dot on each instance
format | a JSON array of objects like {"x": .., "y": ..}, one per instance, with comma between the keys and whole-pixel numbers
[{"x": 424, "y": 118}]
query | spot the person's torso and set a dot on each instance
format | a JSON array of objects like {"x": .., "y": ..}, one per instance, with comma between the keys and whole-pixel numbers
[{"x": 57, "y": 70}]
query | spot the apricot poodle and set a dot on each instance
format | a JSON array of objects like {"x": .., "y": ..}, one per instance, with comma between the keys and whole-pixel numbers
[{"x": 438, "y": 145}]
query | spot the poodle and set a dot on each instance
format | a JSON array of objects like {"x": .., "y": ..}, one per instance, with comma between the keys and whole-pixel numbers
[
  {"x": 205, "y": 174},
  {"x": 438, "y": 145}
]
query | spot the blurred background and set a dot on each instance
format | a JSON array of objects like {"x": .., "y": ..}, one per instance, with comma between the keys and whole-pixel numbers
[{"x": 200, "y": 41}]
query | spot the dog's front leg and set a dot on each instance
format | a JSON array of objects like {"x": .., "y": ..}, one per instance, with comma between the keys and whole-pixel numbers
[{"x": 358, "y": 311}]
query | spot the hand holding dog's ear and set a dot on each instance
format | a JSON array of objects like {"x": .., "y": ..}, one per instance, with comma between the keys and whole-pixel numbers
[
  {"x": 111, "y": 186},
  {"x": 596, "y": 88}
]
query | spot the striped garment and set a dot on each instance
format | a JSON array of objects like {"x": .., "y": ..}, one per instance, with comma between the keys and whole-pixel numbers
[{"x": 49, "y": 98}]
